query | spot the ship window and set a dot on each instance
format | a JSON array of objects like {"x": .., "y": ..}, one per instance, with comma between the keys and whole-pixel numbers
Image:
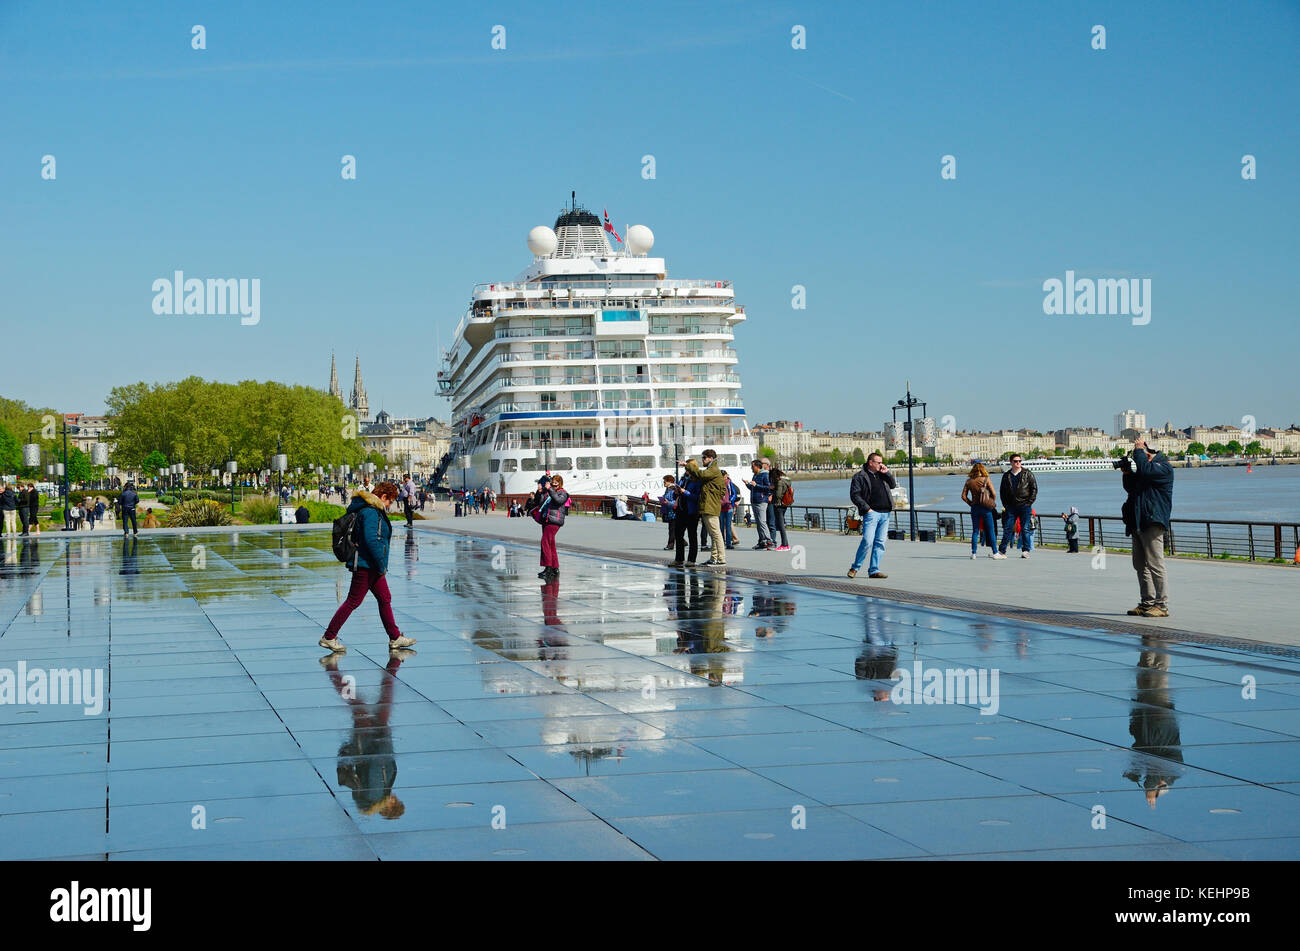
[
  {"x": 540, "y": 350},
  {"x": 573, "y": 349},
  {"x": 591, "y": 462},
  {"x": 727, "y": 459},
  {"x": 632, "y": 462},
  {"x": 509, "y": 465},
  {"x": 494, "y": 465},
  {"x": 541, "y": 376},
  {"x": 541, "y": 324},
  {"x": 576, "y": 323},
  {"x": 564, "y": 463},
  {"x": 530, "y": 464},
  {"x": 699, "y": 394}
]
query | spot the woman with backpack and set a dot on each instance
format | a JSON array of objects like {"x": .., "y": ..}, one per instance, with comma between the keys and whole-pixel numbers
[
  {"x": 979, "y": 495},
  {"x": 668, "y": 508},
  {"x": 782, "y": 496},
  {"x": 368, "y": 564},
  {"x": 552, "y": 505}
]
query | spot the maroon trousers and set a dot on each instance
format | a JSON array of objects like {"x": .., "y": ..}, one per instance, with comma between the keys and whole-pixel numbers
[
  {"x": 364, "y": 580},
  {"x": 549, "y": 558}
]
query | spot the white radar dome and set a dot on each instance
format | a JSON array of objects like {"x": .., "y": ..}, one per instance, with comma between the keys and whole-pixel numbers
[
  {"x": 542, "y": 241},
  {"x": 640, "y": 239}
]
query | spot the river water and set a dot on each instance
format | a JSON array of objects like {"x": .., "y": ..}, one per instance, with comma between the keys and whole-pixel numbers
[{"x": 1268, "y": 494}]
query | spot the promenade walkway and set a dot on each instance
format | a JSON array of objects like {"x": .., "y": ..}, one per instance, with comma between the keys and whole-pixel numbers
[
  {"x": 1216, "y": 600},
  {"x": 624, "y": 711}
]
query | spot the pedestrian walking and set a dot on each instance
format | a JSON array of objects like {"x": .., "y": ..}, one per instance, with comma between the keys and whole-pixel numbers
[
  {"x": 1149, "y": 483},
  {"x": 1018, "y": 490},
  {"x": 711, "y": 483},
  {"x": 552, "y": 505},
  {"x": 407, "y": 495},
  {"x": 771, "y": 508},
  {"x": 782, "y": 489},
  {"x": 870, "y": 493},
  {"x": 978, "y": 494},
  {"x": 9, "y": 508},
  {"x": 129, "y": 499},
  {"x": 668, "y": 508},
  {"x": 760, "y": 494},
  {"x": 33, "y": 498},
  {"x": 369, "y": 564},
  {"x": 1071, "y": 529}
]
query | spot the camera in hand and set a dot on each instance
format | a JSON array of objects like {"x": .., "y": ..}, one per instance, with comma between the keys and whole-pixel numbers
[{"x": 1124, "y": 462}]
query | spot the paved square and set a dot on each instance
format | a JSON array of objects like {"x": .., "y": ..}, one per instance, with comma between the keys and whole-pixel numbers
[{"x": 621, "y": 712}]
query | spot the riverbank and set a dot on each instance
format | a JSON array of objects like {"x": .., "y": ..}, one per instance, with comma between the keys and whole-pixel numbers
[{"x": 798, "y": 475}]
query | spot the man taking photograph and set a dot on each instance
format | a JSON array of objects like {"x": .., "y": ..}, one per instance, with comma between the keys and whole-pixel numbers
[{"x": 1149, "y": 482}]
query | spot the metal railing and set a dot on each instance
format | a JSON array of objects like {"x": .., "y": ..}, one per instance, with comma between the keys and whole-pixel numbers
[{"x": 1209, "y": 538}]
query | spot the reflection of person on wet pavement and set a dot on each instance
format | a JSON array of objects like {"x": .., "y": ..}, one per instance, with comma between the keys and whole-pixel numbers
[
  {"x": 366, "y": 762},
  {"x": 29, "y": 558},
  {"x": 701, "y": 628},
  {"x": 1153, "y": 724},
  {"x": 770, "y": 605},
  {"x": 548, "y": 643},
  {"x": 879, "y": 656},
  {"x": 412, "y": 556}
]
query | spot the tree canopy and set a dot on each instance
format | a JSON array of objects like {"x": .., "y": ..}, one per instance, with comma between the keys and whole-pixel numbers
[{"x": 199, "y": 423}]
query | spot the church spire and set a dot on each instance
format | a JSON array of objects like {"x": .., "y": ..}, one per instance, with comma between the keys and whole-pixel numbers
[
  {"x": 359, "y": 401},
  {"x": 334, "y": 379}
]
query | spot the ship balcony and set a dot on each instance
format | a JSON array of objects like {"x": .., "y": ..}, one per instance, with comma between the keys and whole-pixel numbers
[
  {"x": 528, "y": 444},
  {"x": 532, "y": 382},
  {"x": 527, "y": 357},
  {"x": 698, "y": 356},
  {"x": 504, "y": 333},
  {"x": 681, "y": 378},
  {"x": 691, "y": 330}
]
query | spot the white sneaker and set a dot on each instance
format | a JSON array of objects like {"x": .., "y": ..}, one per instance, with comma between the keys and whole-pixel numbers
[
  {"x": 1024, "y": 554},
  {"x": 997, "y": 554},
  {"x": 973, "y": 556}
]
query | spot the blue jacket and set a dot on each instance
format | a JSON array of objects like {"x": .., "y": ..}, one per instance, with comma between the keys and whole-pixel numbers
[
  {"x": 690, "y": 495},
  {"x": 1153, "y": 480},
  {"x": 373, "y": 533},
  {"x": 762, "y": 490},
  {"x": 668, "y": 503},
  {"x": 129, "y": 500}
]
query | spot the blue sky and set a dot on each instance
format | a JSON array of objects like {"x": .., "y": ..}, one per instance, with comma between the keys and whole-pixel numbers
[{"x": 774, "y": 167}]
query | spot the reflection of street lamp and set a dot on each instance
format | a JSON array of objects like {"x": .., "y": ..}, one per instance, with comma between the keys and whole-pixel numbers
[
  {"x": 907, "y": 404},
  {"x": 546, "y": 451}
]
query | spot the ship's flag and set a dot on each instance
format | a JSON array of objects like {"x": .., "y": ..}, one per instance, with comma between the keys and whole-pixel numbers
[{"x": 610, "y": 228}]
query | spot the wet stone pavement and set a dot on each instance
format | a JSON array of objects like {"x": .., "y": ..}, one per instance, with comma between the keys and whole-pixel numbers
[{"x": 620, "y": 712}]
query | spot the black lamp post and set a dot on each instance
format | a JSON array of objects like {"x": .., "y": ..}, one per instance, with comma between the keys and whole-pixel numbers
[
  {"x": 907, "y": 404},
  {"x": 67, "y": 522}
]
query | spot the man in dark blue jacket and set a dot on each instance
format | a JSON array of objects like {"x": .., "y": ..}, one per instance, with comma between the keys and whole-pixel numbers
[
  {"x": 760, "y": 495},
  {"x": 1149, "y": 481},
  {"x": 129, "y": 499},
  {"x": 368, "y": 566}
]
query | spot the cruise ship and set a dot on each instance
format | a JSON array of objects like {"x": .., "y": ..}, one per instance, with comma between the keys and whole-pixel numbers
[
  {"x": 591, "y": 363},
  {"x": 1057, "y": 464}
]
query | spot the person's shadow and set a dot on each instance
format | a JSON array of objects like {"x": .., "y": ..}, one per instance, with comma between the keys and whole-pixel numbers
[
  {"x": 1153, "y": 724},
  {"x": 366, "y": 763}
]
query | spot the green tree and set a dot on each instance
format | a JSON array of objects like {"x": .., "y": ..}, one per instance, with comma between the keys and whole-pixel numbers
[
  {"x": 1254, "y": 448},
  {"x": 1196, "y": 449},
  {"x": 859, "y": 457},
  {"x": 899, "y": 458},
  {"x": 1216, "y": 449},
  {"x": 767, "y": 452},
  {"x": 1117, "y": 451},
  {"x": 77, "y": 465},
  {"x": 153, "y": 462},
  {"x": 1233, "y": 447},
  {"x": 11, "y": 454},
  {"x": 837, "y": 458}
]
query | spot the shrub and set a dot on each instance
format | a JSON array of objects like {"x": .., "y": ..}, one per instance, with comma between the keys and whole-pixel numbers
[
  {"x": 197, "y": 513},
  {"x": 261, "y": 511},
  {"x": 79, "y": 495},
  {"x": 324, "y": 511}
]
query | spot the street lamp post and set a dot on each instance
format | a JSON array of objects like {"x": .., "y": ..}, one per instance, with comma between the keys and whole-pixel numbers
[
  {"x": 907, "y": 404},
  {"x": 232, "y": 467}
]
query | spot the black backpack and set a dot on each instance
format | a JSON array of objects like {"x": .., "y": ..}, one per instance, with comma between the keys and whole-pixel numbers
[{"x": 345, "y": 537}]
